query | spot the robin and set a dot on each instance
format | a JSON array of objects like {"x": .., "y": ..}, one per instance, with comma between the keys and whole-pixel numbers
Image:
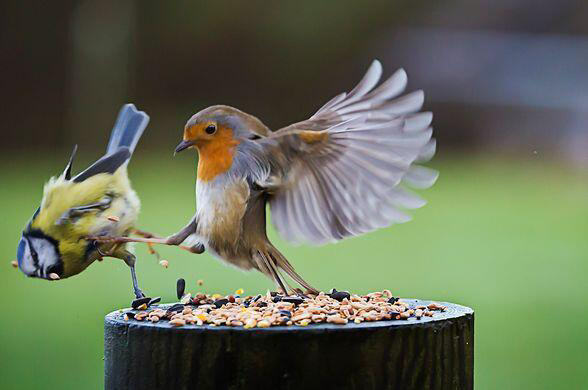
[{"x": 342, "y": 172}]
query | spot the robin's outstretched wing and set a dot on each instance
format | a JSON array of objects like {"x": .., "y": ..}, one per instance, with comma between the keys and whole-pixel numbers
[{"x": 343, "y": 171}]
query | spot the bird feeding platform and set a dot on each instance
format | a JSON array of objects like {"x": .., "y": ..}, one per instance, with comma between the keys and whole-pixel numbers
[{"x": 427, "y": 353}]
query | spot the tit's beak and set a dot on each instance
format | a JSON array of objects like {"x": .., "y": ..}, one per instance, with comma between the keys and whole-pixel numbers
[{"x": 183, "y": 145}]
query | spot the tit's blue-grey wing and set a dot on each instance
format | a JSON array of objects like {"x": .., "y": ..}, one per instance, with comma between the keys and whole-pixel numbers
[
  {"x": 107, "y": 164},
  {"x": 344, "y": 171}
]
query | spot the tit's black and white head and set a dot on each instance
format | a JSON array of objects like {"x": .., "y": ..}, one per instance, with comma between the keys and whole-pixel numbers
[{"x": 38, "y": 256}]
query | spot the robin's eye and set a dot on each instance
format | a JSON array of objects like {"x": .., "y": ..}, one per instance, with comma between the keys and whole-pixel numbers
[{"x": 210, "y": 129}]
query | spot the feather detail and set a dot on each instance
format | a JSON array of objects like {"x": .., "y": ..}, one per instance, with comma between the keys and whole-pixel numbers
[{"x": 343, "y": 172}]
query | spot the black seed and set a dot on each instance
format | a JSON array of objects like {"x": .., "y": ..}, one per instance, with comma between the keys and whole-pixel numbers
[
  {"x": 153, "y": 301},
  {"x": 340, "y": 295},
  {"x": 247, "y": 303},
  {"x": 273, "y": 293},
  {"x": 180, "y": 287},
  {"x": 333, "y": 291},
  {"x": 256, "y": 298},
  {"x": 286, "y": 313},
  {"x": 219, "y": 302},
  {"x": 277, "y": 298},
  {"x": 176, "y": 307},
  {"x": 262, "y": 304},
  {"x": 130, "y": 314},
  {"x": 392, "y": 300},
  {"x": 138, "y": 302},
  {"x": 295, "y": 300}
]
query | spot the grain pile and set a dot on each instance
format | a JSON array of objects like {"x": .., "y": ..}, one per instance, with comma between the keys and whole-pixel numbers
[{"x": 274, "y": 309}]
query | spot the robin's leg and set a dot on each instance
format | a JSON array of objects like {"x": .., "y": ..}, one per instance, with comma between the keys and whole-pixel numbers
[
  {"x": 265, "y": 264},
  {"x": 129, "y": 259},
  {"x": 150, "y": 245},
  {"x": 175, "y": 239},
  {"x": 197, "y": 248},
  {"x": 179, "y": 237}
]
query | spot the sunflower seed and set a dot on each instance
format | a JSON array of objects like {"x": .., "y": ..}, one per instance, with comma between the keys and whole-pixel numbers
[
  {"x": 180, "y": 287},
  {"x": 140, "y": 301}
]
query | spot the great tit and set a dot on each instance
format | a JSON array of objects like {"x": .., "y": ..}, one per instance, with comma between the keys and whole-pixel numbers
[{"x": 57, "y": 242}]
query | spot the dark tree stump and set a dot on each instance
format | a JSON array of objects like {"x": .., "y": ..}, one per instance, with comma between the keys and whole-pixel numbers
[{"x": 430, "y": 353}]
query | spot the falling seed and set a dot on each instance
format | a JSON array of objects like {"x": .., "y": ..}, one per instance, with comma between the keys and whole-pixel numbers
[
  {"x": 14, "y": 264},
  {"x": 113, "y": 218},
  {"x": 239, "y": 291},
  {"x": 180, "y": 287},
  {"x": 200, "y": 282},
  {"x": 164, "y": 263},
  {"x": 53, "y": 276}
]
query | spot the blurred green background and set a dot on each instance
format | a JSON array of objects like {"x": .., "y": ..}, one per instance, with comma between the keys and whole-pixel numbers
[{"x": 505, "y": 227}]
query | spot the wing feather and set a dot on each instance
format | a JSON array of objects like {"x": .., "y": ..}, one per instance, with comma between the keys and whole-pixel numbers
[{"x": 344, "y": 171}]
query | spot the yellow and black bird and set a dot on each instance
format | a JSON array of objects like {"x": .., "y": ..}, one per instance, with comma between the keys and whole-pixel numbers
[
  {"x": 342, "y": 172},
  {"x": 56, "y": 242}
]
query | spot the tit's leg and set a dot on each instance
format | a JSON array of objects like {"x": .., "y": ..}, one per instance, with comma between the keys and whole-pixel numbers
[{"x": 129, "y": 259}]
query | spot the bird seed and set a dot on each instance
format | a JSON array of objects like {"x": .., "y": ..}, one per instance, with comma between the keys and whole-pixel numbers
[{"x": 275, "y": 309}]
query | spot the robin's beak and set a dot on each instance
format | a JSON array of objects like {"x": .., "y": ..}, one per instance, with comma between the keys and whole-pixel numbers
[{"x": 183, "y": 145}]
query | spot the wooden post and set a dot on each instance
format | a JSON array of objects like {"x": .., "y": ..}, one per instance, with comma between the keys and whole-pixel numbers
[{"x": 430, "y": 353}]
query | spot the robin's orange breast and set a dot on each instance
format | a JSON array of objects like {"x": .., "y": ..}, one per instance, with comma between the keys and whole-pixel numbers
[{"x": 216, "y": 155}]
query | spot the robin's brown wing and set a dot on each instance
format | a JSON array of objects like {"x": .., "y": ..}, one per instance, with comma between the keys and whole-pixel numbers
[{"x": 343, "y": 171}]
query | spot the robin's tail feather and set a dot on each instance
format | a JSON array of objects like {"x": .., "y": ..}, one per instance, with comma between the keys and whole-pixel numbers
[{"x": 270, "y": 261}]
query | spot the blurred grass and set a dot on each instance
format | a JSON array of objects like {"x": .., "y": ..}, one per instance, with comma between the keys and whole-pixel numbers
[{"x": 506, "y": 237}]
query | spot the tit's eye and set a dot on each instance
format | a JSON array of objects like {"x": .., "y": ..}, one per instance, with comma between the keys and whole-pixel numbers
[{"x": 210, "y": 129}]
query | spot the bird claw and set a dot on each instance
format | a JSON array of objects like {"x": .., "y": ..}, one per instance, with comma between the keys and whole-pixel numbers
[
  {"x": 108, "y": 239},
  {"x": 173, "y": 240},
  {"x": 198, "y": 248}
]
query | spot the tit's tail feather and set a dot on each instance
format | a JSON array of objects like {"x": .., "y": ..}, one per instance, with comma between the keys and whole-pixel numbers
[
  {"x": 280, "y": 262},
  {"x": 128, "y": 129}
]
